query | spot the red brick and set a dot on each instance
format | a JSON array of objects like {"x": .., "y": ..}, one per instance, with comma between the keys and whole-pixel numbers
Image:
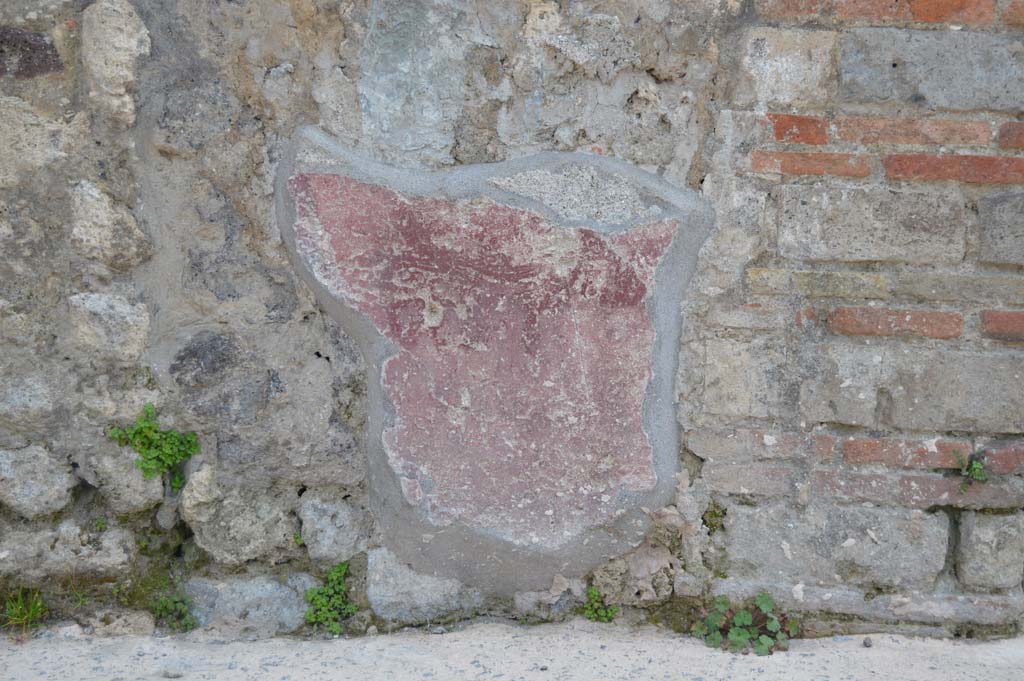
[
  {"x": 881, "y": 321},
  {"x": 1011, "y": 135},
  {"x": 921, "y": 490},
  {"x": 976, "y": 12},
  {"x": 810, "y": 163},
  {"x": 1002, "y": 325},
  {"x": 905, "y": 453},
  {"x": 870, "y": 130},
  {"x": 1013, "y": 15},
  {"x": 924, "y": 491},
  {"x": 799, "y": 129},
  {"x": 1005, "y": 459},
  {"x": 972, "y": 169},
  {"x": 793, "y": 9}
]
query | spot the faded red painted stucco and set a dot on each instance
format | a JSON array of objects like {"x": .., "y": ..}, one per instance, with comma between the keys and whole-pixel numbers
[{"x": 524, "y": 351}]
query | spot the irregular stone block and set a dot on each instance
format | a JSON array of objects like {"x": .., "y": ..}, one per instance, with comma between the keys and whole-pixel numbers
[
  {"x": 937, "y": 69},
  {"x": 112, "y": 470},
  {"x": 108, "y": 326},
  {"x": 333, "y": 531},
  {"x": 863, "y": 546},
  {"x": 28, "y": 141},
  {"x": 104, "y": 231},
  {"x": 402, "y": 596},
  {"x": 256, "y": 606},
  {"x": 1001, "y": 217},
  {"x": 113, "y": 37},
  {"x": 786, "y": 67},
  {"x": 33, "y": 557},
  {"x": 817, "y": 223},
  {"x": 34, "y": 482},
  {"x": 235, "y": 525},
  {"x": 523, "y": 330},
  {"x": 991, "y": 551},
  {"x": 24, "y": 54}
]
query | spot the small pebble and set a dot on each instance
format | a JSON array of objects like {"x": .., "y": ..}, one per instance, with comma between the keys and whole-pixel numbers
[{"x": 867, "y": 641}]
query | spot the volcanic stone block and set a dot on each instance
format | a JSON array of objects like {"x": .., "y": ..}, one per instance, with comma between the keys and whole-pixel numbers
[
  {"x": 935, "y": 69},
  {"x": 521, "y": 321}
]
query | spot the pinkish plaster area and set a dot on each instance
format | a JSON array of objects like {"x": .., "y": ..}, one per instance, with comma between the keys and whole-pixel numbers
[{"x": 524, "y": 351}]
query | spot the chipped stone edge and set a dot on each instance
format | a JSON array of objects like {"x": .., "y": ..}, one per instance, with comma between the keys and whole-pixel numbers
[{"x": 494, "y": 565}]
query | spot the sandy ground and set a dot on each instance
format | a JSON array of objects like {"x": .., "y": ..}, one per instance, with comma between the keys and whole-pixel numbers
[{"x": 577, "y": 650}]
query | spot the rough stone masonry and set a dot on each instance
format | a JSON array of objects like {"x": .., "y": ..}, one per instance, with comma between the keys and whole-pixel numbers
[{"x": 345, "y": 242}]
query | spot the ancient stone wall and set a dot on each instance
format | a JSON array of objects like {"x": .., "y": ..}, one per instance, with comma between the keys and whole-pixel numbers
[{"x": 843, "y": 183}]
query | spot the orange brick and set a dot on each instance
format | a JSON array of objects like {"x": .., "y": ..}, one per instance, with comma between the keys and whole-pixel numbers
[
  {"x": 880, "y": 321},
  {"x": 793, "y": 9},
  {"x": 975, "y": 12},
  {"x": 810, "y": 163},
  {"x": 1005, "y": 459},
  {"x": 918, "y": 490},
  {"x": 1013, "y": 15},
  {"x": 972, "y": 169},
  {"x": 1011, "y": 135},
  {"x": 799, "y": 129},
  {"x": 905, "y": 453},
  {"x": 865, "y": 130},
  {"x": 1002, "y": 325}
]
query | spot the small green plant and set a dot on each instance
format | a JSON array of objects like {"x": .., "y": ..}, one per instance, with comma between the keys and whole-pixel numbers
[
  {"x": 761, "y": 627},
  {"x": 174, "y": 611},
  {"x": 595, "y": 609},
  {"x": 159, "y": 450},
  {"x": 299, "y": 541},
  {"x": 100, "y": 524},
  {"x": 329, "y": 604},
  {"x": 24, "y": 610},
  {"x": 177, "y": 481},
  {"x": 972, "y": 470}
]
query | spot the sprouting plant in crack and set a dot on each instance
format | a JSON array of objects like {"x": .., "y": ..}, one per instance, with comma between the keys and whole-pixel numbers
[
  {"x": 595, "y": 609},
  {"x": 972, "y": 470},
  {"x": 160, "y": 451},
  {"x": 24, "y": 610},
  {"x": 760, "y": 627},
  {"x": 329, "y": 604}
]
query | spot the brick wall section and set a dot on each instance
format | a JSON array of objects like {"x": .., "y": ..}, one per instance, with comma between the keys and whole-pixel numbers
[
  {"x": 892, "y": 177},
  {"x": 978, "y": 13}
]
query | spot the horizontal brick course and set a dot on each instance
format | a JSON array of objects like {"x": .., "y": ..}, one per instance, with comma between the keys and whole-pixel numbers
[
  {"x": 971, "y": 169},
  {"x": 929, "y": 286},
  {"x": 1002, "y": 325},
  {"x": 810, "y": 163},
  {"x": 974, "y": 12},
  {"x": 919, "y": 490},
  {"x": 875, "y": 321},
  {"x": 869, "y": 130},
  {"x": 799, "y": 129},
  {"x": 905, "y": 453}
]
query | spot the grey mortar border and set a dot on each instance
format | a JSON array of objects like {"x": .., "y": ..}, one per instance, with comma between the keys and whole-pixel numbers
[{"x": 494, "y": 565}]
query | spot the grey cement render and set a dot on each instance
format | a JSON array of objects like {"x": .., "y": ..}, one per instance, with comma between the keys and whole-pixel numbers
[{"x": 456, "y": 551}]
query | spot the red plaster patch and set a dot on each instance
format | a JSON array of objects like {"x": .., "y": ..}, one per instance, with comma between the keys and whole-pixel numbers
[{"x": 524, "y": 351}]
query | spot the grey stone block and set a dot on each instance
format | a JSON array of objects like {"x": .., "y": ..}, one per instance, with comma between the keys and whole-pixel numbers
[
  {"x": 1001, "y": 217},
  {"x": 830, "y": 545},
  {"x": 958, "y": 70},
  {"x": 991, "y": 552},
  {"x": 819, "y": 223}
]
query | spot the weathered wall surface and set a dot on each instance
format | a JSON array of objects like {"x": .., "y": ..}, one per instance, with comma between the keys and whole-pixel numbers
[{"x": 855, "y": 326}]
